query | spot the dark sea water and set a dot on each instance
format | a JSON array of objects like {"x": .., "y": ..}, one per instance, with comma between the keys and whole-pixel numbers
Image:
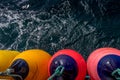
[{"x": 51, "y": 25}]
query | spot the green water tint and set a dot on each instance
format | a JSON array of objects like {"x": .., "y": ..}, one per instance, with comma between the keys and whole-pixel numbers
[{"x": 51, "y": 25}]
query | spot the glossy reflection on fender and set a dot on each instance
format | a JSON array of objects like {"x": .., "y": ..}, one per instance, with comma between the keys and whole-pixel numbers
[{"x": 73, "y": 63}]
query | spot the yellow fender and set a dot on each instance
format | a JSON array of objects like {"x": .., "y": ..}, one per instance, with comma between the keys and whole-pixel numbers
[
  {"x": 37, "y": 61},
  {"x": 6, "y": 56}
]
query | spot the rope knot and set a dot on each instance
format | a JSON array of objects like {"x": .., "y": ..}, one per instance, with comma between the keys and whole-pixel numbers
[
  {"x": 58, "y": 72},
  {"x": 116, "y": 74}
]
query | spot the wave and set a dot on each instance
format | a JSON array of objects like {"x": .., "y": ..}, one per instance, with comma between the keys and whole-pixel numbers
[{"x": 83, "y": 25}]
